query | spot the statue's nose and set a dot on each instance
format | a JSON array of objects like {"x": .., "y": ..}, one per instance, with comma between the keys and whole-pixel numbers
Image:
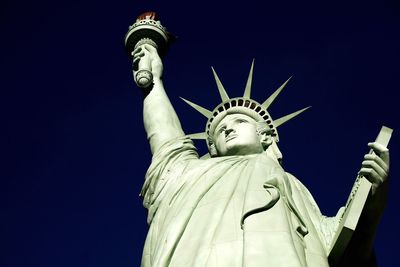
[{"x": 228, "y": 131}]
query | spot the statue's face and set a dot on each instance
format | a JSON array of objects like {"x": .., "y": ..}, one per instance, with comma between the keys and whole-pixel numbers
[{"x": 236, "y": 134}]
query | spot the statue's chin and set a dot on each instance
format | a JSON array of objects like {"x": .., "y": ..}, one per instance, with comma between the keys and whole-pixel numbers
[{"x": 241, "y": 150}]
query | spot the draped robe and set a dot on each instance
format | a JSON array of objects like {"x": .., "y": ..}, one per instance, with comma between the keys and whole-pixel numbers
[{"x": 230, "y": 211}]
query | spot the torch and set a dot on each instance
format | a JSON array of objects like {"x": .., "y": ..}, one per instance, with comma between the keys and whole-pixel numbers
[{"x": 147, "y": 30}]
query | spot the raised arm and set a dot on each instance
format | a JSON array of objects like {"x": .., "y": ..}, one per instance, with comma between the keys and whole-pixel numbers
[{"x": 160, "y": 120}]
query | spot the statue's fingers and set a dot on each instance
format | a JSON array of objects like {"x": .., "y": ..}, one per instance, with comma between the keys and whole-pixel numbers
[
  {"x": 150, "y": 48},
  {"x": 371, "y": 175},
  {"x": 136, "y": 59},
  {"x": 381, "y": 151},
  {"x": 136, "y": 50},
  {"x": 139, "y": 54},
  {"x": 135, "y": 63},
  {"x": 378, "y": 160},
  {"x": 376, "y": 167}
]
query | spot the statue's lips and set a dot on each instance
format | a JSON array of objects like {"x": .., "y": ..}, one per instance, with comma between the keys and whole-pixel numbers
[{"x": 230, "y": 137}]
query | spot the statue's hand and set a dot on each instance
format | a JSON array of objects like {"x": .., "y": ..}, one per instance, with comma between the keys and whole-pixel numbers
[
  {"x": 375, "y": 168},
  {"x": 146, "y": 56}
]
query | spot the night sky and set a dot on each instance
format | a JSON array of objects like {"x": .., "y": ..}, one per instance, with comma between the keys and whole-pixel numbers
[{"x": 74, "y": 148}]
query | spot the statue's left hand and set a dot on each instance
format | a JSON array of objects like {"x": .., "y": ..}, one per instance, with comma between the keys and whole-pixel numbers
[{"x": 375, "y": 168}]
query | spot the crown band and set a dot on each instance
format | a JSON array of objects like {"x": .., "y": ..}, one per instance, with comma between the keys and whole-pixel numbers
[{"x": 240, "y": 105}]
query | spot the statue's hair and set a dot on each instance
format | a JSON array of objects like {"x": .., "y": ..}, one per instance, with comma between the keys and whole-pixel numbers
[
  {"x": 264, "y": 129},
  {"x": 211, "y": 147}
]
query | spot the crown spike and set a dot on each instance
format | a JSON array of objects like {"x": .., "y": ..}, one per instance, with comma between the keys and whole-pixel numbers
[
  {"x": 202, "y": 110},
  {"x": 271, "y": 99},
  {"x": 202, "y": 135},
  {"x": 247, "y": 90},
  {"x": 288, "y": 117},
  {"x": 221, "y": 89}
]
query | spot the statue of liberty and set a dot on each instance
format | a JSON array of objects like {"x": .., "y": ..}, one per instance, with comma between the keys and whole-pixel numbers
[{"x": 237, "y": 206}]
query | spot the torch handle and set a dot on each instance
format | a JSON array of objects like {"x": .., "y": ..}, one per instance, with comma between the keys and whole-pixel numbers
[{"x": 144, "y": 76}]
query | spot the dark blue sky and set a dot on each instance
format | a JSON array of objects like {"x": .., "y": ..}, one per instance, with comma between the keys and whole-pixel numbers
[{"x": 75, "y": 152}]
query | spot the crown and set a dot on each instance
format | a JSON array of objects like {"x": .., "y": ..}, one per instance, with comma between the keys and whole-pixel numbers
[{"x": 242, "y": 105}]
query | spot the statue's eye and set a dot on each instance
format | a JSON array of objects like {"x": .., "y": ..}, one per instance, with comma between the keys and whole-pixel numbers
[
  {"x": 222, "y": 129},
  {"x": 241, "y": 121}
]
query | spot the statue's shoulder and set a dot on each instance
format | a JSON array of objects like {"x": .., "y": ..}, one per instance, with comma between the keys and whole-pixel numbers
[
  {"x": 299, "y": 185},
  {"x": 294, "y": 180},
  {"x": 176, "y": 148}
]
